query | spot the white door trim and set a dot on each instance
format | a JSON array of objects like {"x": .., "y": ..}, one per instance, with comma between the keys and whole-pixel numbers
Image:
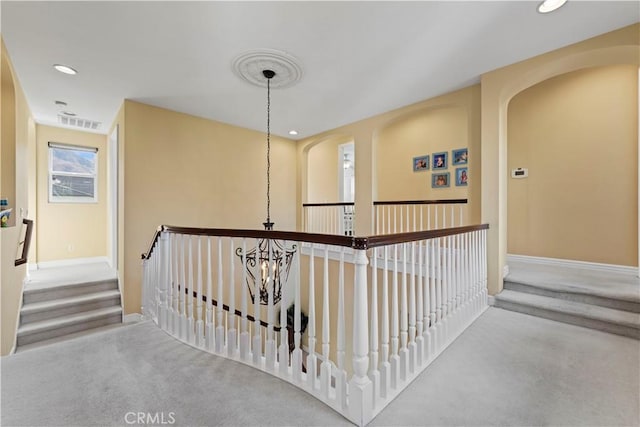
[{"x": 112, "y": 204}]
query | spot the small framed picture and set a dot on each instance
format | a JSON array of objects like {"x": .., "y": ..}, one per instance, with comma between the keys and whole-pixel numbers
[
  {"x": 461, "y": 177},
  {"x": 440, "y": 180},
  {"x": 439, "y": 160},
  {"x": 460, "y": 157},
  {"x": 420, "y": 163}
]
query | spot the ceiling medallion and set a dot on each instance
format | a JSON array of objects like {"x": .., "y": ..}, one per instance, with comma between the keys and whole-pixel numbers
[{"x": 249, "y": 67}]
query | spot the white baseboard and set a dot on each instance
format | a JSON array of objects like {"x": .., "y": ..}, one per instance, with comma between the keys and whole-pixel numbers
[
  {"x": 491, "y": 300},
  {"x": 582, "y": 265},
  {"x": 132, "y": 318},
  {"x": 70, "y": 262}
]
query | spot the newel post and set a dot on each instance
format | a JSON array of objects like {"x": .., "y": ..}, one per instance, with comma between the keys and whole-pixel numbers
[{"x": 360, "y": 386}]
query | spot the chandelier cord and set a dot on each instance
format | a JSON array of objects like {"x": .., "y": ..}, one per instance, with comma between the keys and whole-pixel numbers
[{"x": 268, "y": 150}]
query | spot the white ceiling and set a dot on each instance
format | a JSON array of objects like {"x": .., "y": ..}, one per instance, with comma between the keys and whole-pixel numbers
[{"x": 358, "y": 58}]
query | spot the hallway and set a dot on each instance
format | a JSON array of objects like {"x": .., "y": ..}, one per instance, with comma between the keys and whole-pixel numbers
[{"x": 506, "y": 369}]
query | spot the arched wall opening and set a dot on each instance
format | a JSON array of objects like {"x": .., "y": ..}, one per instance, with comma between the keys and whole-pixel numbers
[
  {"x": 498, "y": 88},
  {"x": 577, "y": 135},
  {"x": 323, "y": 163}
]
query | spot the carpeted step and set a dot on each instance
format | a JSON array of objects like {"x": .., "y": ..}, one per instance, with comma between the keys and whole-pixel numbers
[
  {"x": 47, "y": 293},
  {"x": 603, "y": 297},
  {"x": 51, "y": 328},
  {"x": 576, "y": 313},
  {"x": 44, "y": 310}
]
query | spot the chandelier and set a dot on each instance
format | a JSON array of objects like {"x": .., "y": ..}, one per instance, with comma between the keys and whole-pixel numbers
[{"x": 273, "y": 256}]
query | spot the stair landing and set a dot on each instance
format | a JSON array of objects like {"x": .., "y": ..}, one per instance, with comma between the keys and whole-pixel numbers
[
  {"x": 82, "y": 273},
  {"x": 603, "y": 300},
  {"x": 64, "y": 302}
]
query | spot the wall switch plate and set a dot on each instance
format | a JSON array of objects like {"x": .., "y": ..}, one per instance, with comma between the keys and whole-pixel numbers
[{"x": 519, "y": 173}]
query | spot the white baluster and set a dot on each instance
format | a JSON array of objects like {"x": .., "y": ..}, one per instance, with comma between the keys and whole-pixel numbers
[
  {"x": 451, "y": 288},
  {"x": 325, "y": 367},
  {"x": 165, "y": 281},
  {"x": 144, "y": 308},
  {"x": 172, "y": 283},
  {"x": 199, "y": 322},
  {"x": 340, "y": 374},
  {"x": 407, "y": 228},
  {"x": 232, "y": 333},
  {"x": 270, "y": 349},
  {"x": 434, "y": 293},
  {"x": 395, "y": 323},
  {"x": 311, "y": 358},
  {"x": 426, "y": 334},
  {"x": 395, "y": 219},
  {"x": 414, "y": 218},
  {"x": 296, "y": 356},
  {"x": 453, "y": 215},
  {"x": 412, "y": 311},
  {"x": 483, "y": 248},
  {"x": 404, "y": 317},
  {"x": 435, "y": 216},
  {"x": 183, "y": 291},
  {"x": 283, "y": 349},
  {"x": 385, "y": 366},
  {"x": 244, "y": 323},
  {"x": 219, "y": 344},
  {"x": 420, "y": 302},
  {"x": 360, "y": 387},
  {"x": 445, "y": 288},
  {"x": 190, "y": 287},
  {"x": 374, "y": 374},
  {"x": 210, "y": 326},
  {"x": 256, "y": 346}
]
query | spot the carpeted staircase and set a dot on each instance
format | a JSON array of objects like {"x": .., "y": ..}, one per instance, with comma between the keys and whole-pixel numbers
[
  {"x": 606, "y": 302},
  {"x": 59, "y": 310}
]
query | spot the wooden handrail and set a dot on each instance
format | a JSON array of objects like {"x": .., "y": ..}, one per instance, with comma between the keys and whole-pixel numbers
[
  {"x": 156, "y": 236},
  {"x": 421, "y": 202},
  {"x": 226, "y": 308},
  {"x": 310, "y": 205},
  {"x": 26, "y": 243},
  {"x": 326, "y": 239},
  {"x": 392, "y": 239},
  {"x": 393, "y": 202}
]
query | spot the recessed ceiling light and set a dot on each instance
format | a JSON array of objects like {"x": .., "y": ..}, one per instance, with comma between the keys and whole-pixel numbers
[
  {"x": 68, "y": 113},
  {"x": 293, "y": 132},
  {"x": 550, "y": 5},
  {"x": 61, "y": 103},
  {"x": 64, "y": 69}
]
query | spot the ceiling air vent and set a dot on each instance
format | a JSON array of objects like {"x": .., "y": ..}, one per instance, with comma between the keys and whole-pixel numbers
[{"x": 78, "y": 123}]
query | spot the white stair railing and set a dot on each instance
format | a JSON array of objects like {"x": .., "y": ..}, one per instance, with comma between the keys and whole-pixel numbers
[
  {"x": 391, "y": 217},
  {"x": 329, "y": 218},
  {"x": 402, "y": 299}
]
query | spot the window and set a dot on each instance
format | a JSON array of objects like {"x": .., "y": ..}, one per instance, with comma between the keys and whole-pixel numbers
[{"x": 73, "y": 173}]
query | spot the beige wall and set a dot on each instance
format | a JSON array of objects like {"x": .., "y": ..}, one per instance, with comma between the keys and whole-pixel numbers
[
  {"x": 16, "y": 145},
  {"x": 431, "y": 131},
  {"x": 184, "y": 170},
  {"x": 8, "y": 129},
  {"x": 377, "y": 157},
  {"x": 498, "y": 87},
  {"x": 322, "y": 172},
  {"x": 70, "y": 230},
  {"x": 578, "y": 135}
]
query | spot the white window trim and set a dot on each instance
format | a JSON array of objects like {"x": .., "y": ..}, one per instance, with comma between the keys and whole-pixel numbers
[{"x": 62, "y": 199}]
